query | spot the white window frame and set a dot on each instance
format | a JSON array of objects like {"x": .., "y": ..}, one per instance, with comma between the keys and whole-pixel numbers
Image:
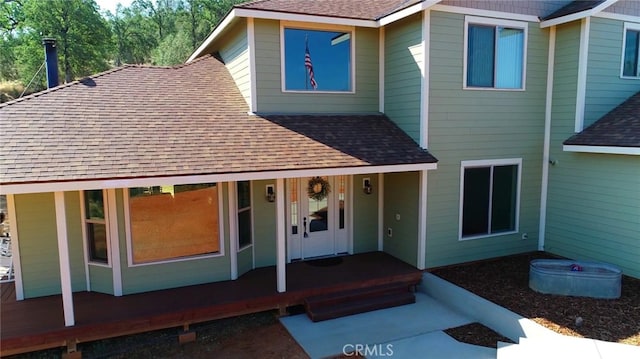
[
  {"x": 634, "y": 27},
  {"x": 238, "y": 210},
  {"x": 127, "y": 222},
  {"x": 85, "y": 235},
  {"x": 490, "y": 163},
  {"x": 475, "y": 20},
  {"x": 319, "y": 27}
]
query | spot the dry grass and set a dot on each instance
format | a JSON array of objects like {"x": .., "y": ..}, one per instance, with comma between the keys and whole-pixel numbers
[{"x": 10, "y": 90}]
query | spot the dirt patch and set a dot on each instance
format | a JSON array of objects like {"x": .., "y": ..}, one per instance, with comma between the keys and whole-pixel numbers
[
  {"x": 258, "y": 335},
  {"x": 505, "y": 281}
]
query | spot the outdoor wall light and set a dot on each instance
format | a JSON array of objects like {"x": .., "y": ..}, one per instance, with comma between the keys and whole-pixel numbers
[
  {"x": 366, "y": 185},
  {"x": 270, "y": 193}
]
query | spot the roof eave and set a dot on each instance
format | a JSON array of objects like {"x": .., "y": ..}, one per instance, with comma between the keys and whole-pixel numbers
[
  {"x": 612, "y": 150},
  {"x": 279, "y": 15},
  {"x": 403, "y": 13},
  {"x": 56, "y": 186},
  {"x": 214, "y": 35},
  {"x": 577, "y": 16}
]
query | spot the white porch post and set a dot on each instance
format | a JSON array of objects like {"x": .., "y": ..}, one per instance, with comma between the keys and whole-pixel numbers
[
  {"x": 15, "y": 247},
  {"x": 281, "y": 266},
  {"x": 381, "y": 212},
  {"x": 233, "y": 225},
  {"x": 422, "y": 221},
  {"x": 63, "y": 255},
  {"x": 114, "y": 242}
]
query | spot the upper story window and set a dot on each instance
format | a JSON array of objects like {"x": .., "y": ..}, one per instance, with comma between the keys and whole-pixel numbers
[
  {"x": 495, "y": 53},
  {"x": 631, "y": 50},
  {"x": 489, "y": 197},
  {"x": 95, "y": 222},
  {"x": 172, "y": 222},
  {"x": 317, "y": 59}
]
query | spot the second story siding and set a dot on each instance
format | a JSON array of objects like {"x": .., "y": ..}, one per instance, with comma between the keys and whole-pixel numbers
[
  {"x": 565, "y": 83},
  {"x": 606, "y": 89},
  {"x": 403, "y": 60},
  {"x": 271, "y": 98},
  {"x": 235, "y": 54},
  {"x": 482, "y": 122}
]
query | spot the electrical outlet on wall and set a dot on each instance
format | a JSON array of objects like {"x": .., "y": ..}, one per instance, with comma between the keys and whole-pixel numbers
[{"x": 389, "y": 232}]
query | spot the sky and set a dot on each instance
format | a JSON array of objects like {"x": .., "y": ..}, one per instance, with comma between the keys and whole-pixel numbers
[{"x": 111, "y": 4}]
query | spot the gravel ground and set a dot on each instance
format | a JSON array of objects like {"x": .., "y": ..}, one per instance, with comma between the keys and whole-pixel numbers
[{"x": 505, "y": 281}]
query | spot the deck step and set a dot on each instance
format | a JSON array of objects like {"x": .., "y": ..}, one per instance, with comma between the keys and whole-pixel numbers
[{"x": 340, "y": 304}]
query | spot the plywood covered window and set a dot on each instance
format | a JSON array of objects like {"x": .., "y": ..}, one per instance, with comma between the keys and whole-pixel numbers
[{"x": 173, "y": 222}]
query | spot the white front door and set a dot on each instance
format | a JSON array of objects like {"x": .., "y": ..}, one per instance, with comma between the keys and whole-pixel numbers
[{"x": 317, "y": 223}]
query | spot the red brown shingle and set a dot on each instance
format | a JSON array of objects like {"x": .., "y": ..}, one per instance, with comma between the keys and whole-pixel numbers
[
  {"x": 152, "y": 122},
  {"x": 618, "y": 128},
  {"x": 351, "y": 9}
]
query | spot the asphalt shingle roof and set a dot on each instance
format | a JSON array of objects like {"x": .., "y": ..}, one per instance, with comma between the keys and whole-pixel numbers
[
  {"x": 573, "y": 8},
  {"x": 139, "y": 121},
  {"x": 352, "y": 9},
  {"x": 618, "y": 128}
]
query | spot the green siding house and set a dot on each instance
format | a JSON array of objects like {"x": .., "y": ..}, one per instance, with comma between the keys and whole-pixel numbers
[
  {"x": 593, "y": 198},
  {"x": 438, "y": 132}
]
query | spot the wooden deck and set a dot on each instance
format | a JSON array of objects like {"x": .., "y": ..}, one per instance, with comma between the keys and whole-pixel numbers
[{"x": 38, "y": 323}]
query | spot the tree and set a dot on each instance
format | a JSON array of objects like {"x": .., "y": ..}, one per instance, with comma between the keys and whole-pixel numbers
[
  {"x": 173, "y": 50},
  {"x": 163, "y": 14},
  {"x": 133, "y": 36},
  {"x": 11, "y": 15},
  {"x": 204, "y": 15},
  {"x": 83, "y": 37}
]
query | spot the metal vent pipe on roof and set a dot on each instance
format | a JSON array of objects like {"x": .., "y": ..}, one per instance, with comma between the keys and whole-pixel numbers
[{"x": 51, "y": 61}]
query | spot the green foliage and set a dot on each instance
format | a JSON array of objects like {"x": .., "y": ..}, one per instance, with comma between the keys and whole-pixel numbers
[
  {"x": 161, "y": 32},
  {"x": 133, "y": 36},
  {"x": 174, "y": 49},
  {"x": 8, "y": 70},
  {"x": 11, "y": 15},
  {"x": 82, "y": 34}
]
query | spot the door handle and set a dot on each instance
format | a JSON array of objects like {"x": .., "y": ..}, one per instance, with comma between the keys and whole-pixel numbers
[{"x": 304, "y": 226}]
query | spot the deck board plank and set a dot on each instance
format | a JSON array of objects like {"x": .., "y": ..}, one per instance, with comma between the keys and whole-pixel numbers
[{"x": 38, "y": 323}]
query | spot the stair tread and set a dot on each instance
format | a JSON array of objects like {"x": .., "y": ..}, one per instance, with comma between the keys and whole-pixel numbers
[
  {"x": 360, "y": 305},
  {"x": 353, "y": 294}
]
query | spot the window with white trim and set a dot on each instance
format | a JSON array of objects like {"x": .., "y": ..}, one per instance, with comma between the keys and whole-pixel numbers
[
  {"x": 317, "y": 59},
  {"x": 631, "y": 51},
  {"x": 173, "y": 222},
  {"x": 244, "y": 214},
  {"x": 489, "y": 197},
  {"x": 495, "y": 53},
  {"x": 95, "y": 225}
]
